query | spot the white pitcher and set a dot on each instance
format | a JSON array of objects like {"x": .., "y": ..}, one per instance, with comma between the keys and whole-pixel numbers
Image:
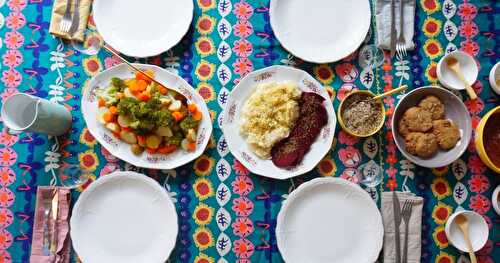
[{"x": 24, "y": 112}]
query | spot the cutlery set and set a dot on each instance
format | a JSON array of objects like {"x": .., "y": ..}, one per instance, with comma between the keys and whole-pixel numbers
[
  {"x": 69, "y": 21},
  {"x": 51, "y": 209},
  {"x": 398, "y": 46},
  {"x": 403, "y": 214}
]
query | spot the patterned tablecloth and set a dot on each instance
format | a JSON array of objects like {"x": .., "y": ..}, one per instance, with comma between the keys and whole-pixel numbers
[{"x": 225, "y": 213}]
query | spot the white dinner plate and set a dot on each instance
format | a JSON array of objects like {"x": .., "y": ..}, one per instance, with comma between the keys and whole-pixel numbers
[
  {"x": 237, "y": 143},
  {"x": 142, "y": 28},
  {"x": 122, "y": 149},
  {"x": 124, "y": 217},
  {"x": 320, "y": 31},
  {"x": 329, "y": 220}
]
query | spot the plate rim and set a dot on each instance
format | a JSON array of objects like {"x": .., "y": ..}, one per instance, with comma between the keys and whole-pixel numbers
[
  {"x": 290, "y": 174},
  {"x": 146, "y": 54},
  {"x": 84, "y": 197},
  {"x": 160, "y": 165},
  {"x": 326, "y": 180},
  {"x": 279, "y": 37}
]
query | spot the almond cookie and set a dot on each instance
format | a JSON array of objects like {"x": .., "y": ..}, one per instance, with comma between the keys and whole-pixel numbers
[
  {"x": 434, "y": 106},
  {"x": 421, "y": 144},
  {"x": 446, "y": 132},
  {"x": 417, "y": 119}
]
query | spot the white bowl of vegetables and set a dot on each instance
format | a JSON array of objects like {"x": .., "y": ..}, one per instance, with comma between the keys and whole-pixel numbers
[{"x": 143, "y": 123}]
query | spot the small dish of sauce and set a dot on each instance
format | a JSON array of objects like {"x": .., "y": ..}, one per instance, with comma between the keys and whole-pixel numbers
[{"x": 491, "y": 138}]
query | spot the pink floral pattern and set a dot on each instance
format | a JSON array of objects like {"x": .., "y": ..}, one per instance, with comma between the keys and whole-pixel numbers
[
  {"x": 7, "y": 176},
  {"x": 242, "y": 206},
  {"x": 243, "y": 29},
  {"x": 11, "y": 78},
  {"x": 242, "y": 227},
  {"x": 12, "y": 58},
  {"x": 8, "y": 157},
  {"x": 243, "y": 248},
  {"x": 13, "y": 40},
  {"x": 242, "y": 185},
  {"x": 243, "y": 66},
  {"x": 350, "y": 156},
  {"x": 15, "y": 20},
  {"x": 17, "y": 5},
  {"x": 242, "y": 48},
  {"x": 243, "y": 10},
  {"x": 8, "y": 139}
]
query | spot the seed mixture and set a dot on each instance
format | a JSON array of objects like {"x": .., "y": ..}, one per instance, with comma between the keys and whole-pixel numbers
[{"x": 361, "y": 115}]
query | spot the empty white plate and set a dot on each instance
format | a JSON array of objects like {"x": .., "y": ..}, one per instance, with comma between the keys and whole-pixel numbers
[
  {"x": 142, "y": 28},
  {"x": 329, "y": 220},
  {"x": 320, "y": 31},
  {"x": 124, "y": 217}
]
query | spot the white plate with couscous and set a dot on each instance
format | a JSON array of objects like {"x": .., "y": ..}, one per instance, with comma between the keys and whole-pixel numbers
[{"x": 279, "y": 122}]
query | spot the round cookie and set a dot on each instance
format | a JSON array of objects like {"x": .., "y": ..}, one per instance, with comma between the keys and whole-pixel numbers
[
  {"x": 434, "y": 106},
  {"x": 403, "y": 128},
  {"x": 446, "y": 132},
  {"x": 417, "y": 119},
  {"x": 421, "y": 144}
]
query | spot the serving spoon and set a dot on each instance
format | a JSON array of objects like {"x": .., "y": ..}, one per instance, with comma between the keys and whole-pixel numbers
[
  {"x": 454, "y": 65},
  {"x": 390, "y": 92},
  {"x": 463, "y": 223}
]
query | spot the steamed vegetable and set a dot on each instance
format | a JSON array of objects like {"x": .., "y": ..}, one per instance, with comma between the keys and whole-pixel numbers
[{"x": 147, "y": 116}]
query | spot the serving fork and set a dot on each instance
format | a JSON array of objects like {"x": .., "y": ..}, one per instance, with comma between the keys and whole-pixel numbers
[
  {"x": 66, "y": 20},
  {"x": 406, "y": 214},
  {"x": 401, "y": 42},
  {"x": 47, "y": 206}
]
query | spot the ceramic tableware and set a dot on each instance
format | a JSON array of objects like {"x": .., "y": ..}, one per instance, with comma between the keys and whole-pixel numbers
[
  {"x": 120, "y": 148},
  {"x": 495, "y": 78},
  {"x": 479, "y": 139},
  {"x": 468, "y": 67},
  {"x": 142, "y": 28},
  {"x": 455, "y": 110},
  {"x": 124, "y": 217},
  {"x": 329, "y": 220},
  {"x": 478, "y": 231},
  {"x": 320, "y": 31},
  {"x": 495, "y": 199},
  {"x": 237, "y": 143},
  {"x": 341, "y": 109},
  {"x": 22, "y": 112}
]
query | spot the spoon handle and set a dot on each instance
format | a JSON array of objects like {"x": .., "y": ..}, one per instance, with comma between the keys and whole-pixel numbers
[
  {"x": 396, "y": 90},
  {"x": 469, "y": 245},
  {"x": 468, "y": 88}
]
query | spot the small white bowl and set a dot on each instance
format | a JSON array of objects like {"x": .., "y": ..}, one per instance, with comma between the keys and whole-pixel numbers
[
  {"x": 478, "y": 231},
  {"x": 468, "y": 67},
  {"x": 494, "y": 76},
  {"x": 495, "y": 199}
]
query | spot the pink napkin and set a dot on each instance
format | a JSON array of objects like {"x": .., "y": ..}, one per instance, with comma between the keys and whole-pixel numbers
[{"x": 62, "y": 231}]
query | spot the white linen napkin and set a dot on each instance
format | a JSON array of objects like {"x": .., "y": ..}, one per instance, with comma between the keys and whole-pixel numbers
[
  {"x": 414, "y": 230},
  {"x": 383, "y": 21}
]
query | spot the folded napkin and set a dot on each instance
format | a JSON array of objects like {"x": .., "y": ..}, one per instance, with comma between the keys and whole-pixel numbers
[
  {"x": 62, "y": 254},
  {"x": 414, "y": 231},
  {"x": 75, "y": 33},
  {"x": 383, "y": 20}
]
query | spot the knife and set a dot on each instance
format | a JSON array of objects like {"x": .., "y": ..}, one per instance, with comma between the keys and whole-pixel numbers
[
  {"x": 397, "y": 222},
  {"x": 393, "y": 28},
  {"x": 55, "y": 209}
]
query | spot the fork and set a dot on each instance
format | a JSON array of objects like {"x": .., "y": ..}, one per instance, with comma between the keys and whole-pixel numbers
[
  {"x": 406, "y": 214},
  {"x": 66, "y": 20},
  {"x": 401, "y": 42}
]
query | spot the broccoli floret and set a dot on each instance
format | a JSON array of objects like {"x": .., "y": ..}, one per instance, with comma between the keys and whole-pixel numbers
[
  {"x": 162, "y": 118},
  {"x": 118, "y": 83},
  {"x": 176, "y": 139},
  {"x": 127, "y": 106},
  {"x": 188, "y": 123}
]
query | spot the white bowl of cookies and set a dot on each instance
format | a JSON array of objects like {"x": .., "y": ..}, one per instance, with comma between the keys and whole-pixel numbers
[{"x": 431, "y": 126}]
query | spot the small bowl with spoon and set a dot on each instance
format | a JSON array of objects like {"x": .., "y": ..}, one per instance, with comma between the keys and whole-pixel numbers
[
  {"x": 467, "y": 231},
  {"x": 458, "y": 70}
]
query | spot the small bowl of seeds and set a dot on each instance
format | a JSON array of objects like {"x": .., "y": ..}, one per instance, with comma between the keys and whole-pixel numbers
[{"x": 360, "y": 115}]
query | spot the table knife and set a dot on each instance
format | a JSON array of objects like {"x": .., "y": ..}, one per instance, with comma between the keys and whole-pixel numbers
[
  {"x": 393, "y": 28},
  {"x": 397, "y": 222},
  {"x": 55, "y": 209}
]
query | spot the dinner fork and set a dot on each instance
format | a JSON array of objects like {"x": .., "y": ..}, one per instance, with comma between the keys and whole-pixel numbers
[
  {"x": 406, "y": 214},
  {"x": 401, "y": 42},
  {"x": 65, "y": 23}
]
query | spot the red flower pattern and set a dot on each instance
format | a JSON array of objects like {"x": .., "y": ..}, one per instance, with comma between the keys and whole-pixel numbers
[
  {"x": 243, "y": 10},
  {"x": 480, "y": 204},
  {"x": 8, "y": 157},
  {"x": 243, "y": 29},
  {"x": 243, "y": 248},
  {"x": 243, "y": 66},
  {"x": 347, "y": 139},
  {"x": 242, "y": 185},
  {"x": 239, "y": 168},
  {"x": 8, "y": 139},
  {"x": 242, "y": 206},
  {"x": 476, "y": 166},
  {"x": 479, "y": 183},
  {"x": 242, "y": 227},
  {"x": 242, "y": 48}
]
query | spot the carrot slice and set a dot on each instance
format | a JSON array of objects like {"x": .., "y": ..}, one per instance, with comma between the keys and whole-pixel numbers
[
  {"x": 142, "y": 85},
  {"x": 151, "y": 151},
  {"x": 108, "y": 117},
  {"x": 101, "y": 102},
  {"x": 144, "y": 96},
  {"x": 177, "y": 115},
  {"x": 113, "y": 110},
  {"x": 191, "y": 147},
  {"x": 197, "y": 115},
  {"x": 163, "y": 90},
  {"x": 192, "y": 108},
  {"x": 140, "y": 76},
  {"x": 167, "y": 149}
]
